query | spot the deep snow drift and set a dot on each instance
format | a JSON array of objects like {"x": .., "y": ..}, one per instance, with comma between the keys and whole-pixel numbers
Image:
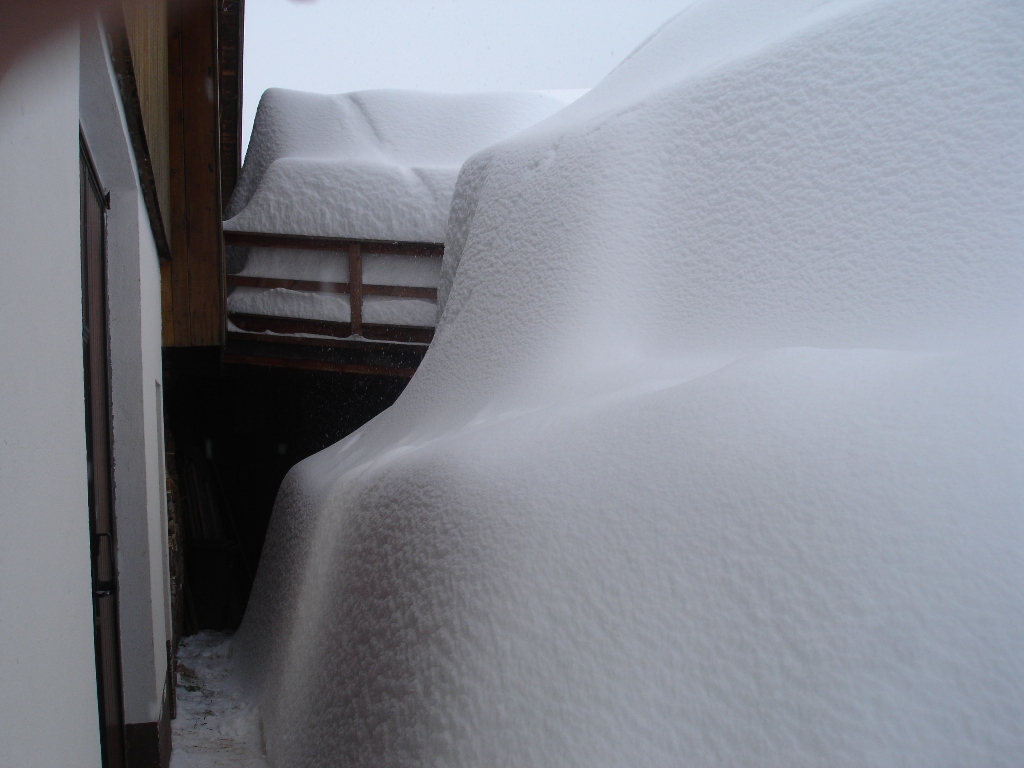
[
  {"x": 717, "y": 455},
  {"x": 371, "y": 165}
]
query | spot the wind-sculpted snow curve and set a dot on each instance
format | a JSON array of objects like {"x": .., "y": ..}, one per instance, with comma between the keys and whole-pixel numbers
[{"x": 716, "y": 457}]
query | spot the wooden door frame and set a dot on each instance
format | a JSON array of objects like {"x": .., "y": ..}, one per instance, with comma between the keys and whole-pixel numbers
[{"x": 112, "y": 735}]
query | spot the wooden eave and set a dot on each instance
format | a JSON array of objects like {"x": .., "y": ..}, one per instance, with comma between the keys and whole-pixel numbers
[{"x": 128, "y": 85}]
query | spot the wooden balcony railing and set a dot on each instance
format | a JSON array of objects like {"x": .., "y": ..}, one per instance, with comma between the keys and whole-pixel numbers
[{"x": 369, "y": 335}]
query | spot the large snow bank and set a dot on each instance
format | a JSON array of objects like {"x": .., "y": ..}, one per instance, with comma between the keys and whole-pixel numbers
[{"x": 717, "y": 455}]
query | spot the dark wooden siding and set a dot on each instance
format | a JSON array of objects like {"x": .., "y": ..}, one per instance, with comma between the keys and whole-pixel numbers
[
  {"x": 193, "y": 280},
  {"x": 230, "y": 36},
  {"x": 146, "y": 29}
]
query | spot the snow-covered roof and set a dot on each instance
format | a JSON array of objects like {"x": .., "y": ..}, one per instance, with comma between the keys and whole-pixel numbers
[
  {"x": 376, "y": 165},
  {"x": 716, "y": 455}
]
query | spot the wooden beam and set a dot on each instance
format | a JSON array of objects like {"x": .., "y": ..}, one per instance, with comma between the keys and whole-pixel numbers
[
  {"x": 317, "y": 286},
  {"x": 401, "y": 291},
  {"x": 311, "y": 243},
  {"x": 139, "y": 55},
  {"x": 202, "y": 163},
  {"x": 230, "y": 33},
  {"x": 176, "y": 323},
  {"x": 197, "y": 272},
  {"x": 166, "y": 305},
  {"x": 362, "y": 345},
  {"x": 344, "y": 355},
  {"x": 318, "y": 365},
  {"x": 246, "y": 281},
  {"x": 404, "y": 334},
  {"x": 355, "y": 288}
]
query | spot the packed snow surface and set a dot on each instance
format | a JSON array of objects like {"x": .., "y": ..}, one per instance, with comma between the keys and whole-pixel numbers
[
  {"x": 215, "y": 726},
  {"x": 716, "y": 457}
]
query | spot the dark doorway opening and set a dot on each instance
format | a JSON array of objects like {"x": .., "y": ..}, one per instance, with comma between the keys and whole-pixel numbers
[{"x": 234, "y": 432}]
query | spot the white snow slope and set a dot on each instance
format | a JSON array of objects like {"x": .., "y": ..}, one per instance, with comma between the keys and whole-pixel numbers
[{"x": 717, "y": 457}]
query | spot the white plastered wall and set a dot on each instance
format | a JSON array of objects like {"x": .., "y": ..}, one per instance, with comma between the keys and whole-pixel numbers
[
  {"x": 48, "y": 710},
  {"x": 133, "y": 277}
]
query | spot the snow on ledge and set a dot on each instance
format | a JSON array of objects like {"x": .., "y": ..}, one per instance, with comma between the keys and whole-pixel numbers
[{"x": 378, "y": 165}]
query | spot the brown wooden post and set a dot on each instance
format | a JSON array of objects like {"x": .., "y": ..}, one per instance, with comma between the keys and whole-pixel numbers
[
  {"x": 197, "y": 260},
  {"x": 176, "y": 320},
  {"x": 230, "y": 33},
  {"x": 355, "y": 288},
  {"x": 140, "y": 54}
]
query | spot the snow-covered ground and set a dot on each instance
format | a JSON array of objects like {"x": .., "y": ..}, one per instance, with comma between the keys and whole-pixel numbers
[
  {"x": 716, "y": 457},
  {"x": 216, "y": 727}
]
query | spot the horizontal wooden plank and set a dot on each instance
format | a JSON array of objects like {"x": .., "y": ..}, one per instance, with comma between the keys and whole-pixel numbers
[
  {"x": 230, "y": 37},
  {"x": 401, "y": 291},
  {"x": 317, "y": 286},
  {"x": 318, "y": 365},
  {"x": 405, "y": 334},
  {"x": 309, "y": 242},
  {"x": 336, "y": 351},
  {"x": 363, "y": 345}
]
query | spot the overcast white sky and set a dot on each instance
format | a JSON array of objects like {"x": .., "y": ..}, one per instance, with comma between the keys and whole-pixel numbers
[{"x": 334, "y": 46}]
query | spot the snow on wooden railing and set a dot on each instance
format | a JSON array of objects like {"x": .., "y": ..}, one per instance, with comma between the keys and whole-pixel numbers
[{"x": 355, "y": 288}]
